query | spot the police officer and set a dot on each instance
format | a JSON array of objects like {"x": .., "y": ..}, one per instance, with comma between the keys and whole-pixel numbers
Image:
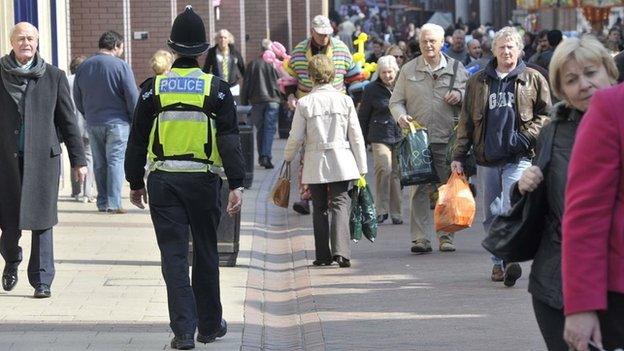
[{"x": 185, "y": 124}]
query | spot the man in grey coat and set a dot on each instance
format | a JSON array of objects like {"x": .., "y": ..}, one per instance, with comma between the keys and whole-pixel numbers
[
  {"x": 429, "y": 90},
  {"x": 36, "y": 104}
]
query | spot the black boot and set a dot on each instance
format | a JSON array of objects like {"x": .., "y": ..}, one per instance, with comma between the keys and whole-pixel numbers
[{"x": 302, "y": 207}]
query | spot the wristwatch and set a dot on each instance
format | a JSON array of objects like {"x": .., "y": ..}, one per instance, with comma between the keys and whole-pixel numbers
[{"x": 240, "y": 188}]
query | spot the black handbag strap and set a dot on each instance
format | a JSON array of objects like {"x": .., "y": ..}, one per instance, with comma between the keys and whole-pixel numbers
[{"x": 452, "y": 84}]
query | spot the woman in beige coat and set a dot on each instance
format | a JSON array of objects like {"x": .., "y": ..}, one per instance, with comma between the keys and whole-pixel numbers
[{"x": 326, "y": 124}]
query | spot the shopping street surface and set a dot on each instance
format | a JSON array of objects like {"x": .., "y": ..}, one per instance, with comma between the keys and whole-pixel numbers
[{"x": 109, "y": 294}]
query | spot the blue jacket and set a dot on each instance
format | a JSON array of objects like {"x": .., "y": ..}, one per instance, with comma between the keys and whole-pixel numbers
[{"x": 105, "y": 91}]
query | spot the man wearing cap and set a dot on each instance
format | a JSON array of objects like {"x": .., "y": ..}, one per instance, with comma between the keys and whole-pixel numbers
[
  {"x": 320, "y": 41},
  {"x": 185, "y": 125}
]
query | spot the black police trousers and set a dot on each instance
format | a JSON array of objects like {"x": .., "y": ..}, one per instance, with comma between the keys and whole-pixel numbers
[{"x": 180, "y": 202}]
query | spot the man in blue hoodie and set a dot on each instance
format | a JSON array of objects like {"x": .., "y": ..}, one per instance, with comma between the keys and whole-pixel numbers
[{"x": 505, "y": 108}]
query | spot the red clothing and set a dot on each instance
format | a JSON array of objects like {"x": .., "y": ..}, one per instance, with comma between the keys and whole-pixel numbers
[{"x": 593, "y": 222}]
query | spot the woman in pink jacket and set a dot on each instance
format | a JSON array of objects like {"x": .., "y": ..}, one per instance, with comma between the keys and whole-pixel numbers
[{"x": 593, "y": 228}]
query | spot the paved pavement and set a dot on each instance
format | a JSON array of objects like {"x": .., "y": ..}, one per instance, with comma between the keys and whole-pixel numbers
[{"x": 109, "y": 294}]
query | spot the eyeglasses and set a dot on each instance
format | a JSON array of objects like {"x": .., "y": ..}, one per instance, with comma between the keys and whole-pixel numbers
[{"x": 398, "y": 57}]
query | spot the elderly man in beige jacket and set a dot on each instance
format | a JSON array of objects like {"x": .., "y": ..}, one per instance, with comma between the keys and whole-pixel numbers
[
  {"x": 429, "y": 90},
  {"x": 326, "y": 123}
]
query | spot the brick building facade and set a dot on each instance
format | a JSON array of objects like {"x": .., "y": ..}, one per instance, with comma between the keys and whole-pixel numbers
[{"x": 260, "y": 19}]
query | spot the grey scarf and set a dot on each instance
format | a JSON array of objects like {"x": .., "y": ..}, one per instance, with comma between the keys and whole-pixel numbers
[{"x": 15, "y": 78}]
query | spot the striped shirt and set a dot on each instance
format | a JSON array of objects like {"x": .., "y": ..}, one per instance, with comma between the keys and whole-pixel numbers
[{"x": 298, "y": 64}]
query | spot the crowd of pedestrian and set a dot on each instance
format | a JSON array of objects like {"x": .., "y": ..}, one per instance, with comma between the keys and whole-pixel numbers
[{"x": 481, "y": 94}]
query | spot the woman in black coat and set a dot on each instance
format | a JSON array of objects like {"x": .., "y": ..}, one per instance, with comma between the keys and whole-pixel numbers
[
  {"x": 579, "y": 68},
  {"x": 382, "y": 132},
  {"x": 225, "y": 50},
  {"x": 36, "y": 107}
]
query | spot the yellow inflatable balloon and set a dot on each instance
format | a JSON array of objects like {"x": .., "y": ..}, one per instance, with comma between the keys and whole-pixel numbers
[{"x": 360, "y": 42}]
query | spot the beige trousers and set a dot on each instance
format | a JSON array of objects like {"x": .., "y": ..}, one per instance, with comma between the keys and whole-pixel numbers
[
  {"x": 387, "y": 181},
  {"x": 421, "y": 214}
]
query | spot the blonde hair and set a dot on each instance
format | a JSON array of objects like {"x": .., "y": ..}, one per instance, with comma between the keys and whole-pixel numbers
[
  {"x": 321, "y": 69},
  {"x": 161, "y": 61},
  {"x": 509, "y": 33},
  {"x": 585, "y": 49}
]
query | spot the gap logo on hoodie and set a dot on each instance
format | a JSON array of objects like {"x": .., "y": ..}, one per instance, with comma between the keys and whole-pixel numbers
[
  {"x": 503, "y": 141},
  {"x": 504, "y": 99}
]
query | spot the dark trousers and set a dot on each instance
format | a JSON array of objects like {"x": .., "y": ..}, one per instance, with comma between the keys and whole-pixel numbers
[
  {"x": 41, "y": 262},
  {"x": 551, "y": 321},
  {"x": 331, "y": 199},
  {"x": 180, "y": 202},
  {"x": 612, "y": 322}
]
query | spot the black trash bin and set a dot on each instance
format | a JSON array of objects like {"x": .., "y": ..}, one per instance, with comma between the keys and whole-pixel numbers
[
  {"x": 247, "y": 142},
  {"x": 228, "y": 233}
]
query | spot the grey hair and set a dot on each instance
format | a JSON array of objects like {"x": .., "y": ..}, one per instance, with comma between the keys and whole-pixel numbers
[
  {"x": 508, "y": 33},
  {"x": 227, "y": 33},
  {"x": 266, "y": 44},
  {"x": 434, "y": 28},
  {"x": 387, "y": 61},
  {"x": 473, "y": 41},
  {"x": 23, "y": 24}
]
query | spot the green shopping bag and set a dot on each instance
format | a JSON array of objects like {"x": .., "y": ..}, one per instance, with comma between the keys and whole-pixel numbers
[
  {"x": 415, "y": 160},
  {"x": 363, "y": 218}
]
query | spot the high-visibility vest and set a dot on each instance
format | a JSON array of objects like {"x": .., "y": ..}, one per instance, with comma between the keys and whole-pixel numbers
[{"x": 183, "y": 137}]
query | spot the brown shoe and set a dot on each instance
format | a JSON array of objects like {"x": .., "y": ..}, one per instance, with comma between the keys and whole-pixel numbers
[
  {"x": 117, "y": 211},
  {"x": 497, "y": 273}
]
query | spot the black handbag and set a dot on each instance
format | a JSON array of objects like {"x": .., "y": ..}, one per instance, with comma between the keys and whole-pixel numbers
[{"x": 516, "y": 235}]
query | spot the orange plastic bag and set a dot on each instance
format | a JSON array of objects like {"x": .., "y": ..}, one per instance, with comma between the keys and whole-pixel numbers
[{"x": 456, "y": 207}]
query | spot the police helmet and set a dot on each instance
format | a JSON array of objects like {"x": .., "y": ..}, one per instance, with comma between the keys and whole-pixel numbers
[{"x": 188, "y": 34}]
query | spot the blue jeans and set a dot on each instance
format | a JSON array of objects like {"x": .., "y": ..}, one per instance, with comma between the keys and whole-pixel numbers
[
  {"x": 496, "y": 184},
  {"x": 108, "y": 145},
  {"x": 264, "y": 117}
]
